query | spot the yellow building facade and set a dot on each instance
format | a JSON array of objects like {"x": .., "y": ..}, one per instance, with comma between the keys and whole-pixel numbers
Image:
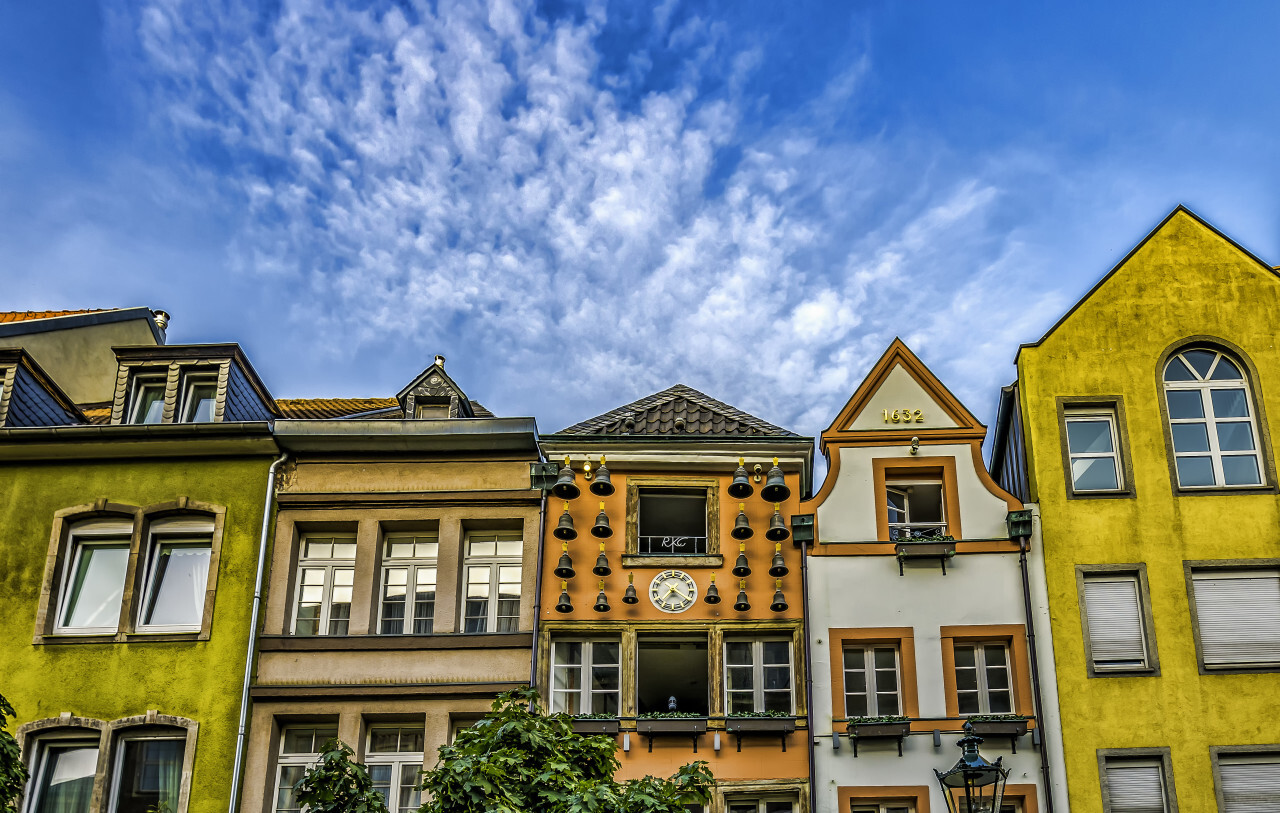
[{"x": 1143, "y": 425}]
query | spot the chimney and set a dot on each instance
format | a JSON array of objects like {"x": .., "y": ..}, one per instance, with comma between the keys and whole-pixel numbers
[
  {"x": 162, "y": 319},
  {"x": 440, "y": 362}
]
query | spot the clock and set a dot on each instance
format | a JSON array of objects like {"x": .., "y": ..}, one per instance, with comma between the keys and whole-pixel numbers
[{"x": 673, "y": 591}]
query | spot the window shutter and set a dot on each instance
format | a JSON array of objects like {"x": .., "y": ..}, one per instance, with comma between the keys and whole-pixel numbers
[
  {"x": 1250, "y": 787},
  {"x": 1115, "y": 621},
  {"x": 1239, "y": 618},
  {"x": 1135, "y": 789}
]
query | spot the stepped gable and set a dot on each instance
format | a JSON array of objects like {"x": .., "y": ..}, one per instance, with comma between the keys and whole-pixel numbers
[{"x": 678, "y": 411}]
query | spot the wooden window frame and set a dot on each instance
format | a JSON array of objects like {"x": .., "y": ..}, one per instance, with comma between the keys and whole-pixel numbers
[
  {"x": 757, "y": 668},
  {"x": 631, "y": 554},
  {"x": 1014, "y": 636},
  {"x": 583, "y": 692},
  {"x": 1139, "y": 573},
  {"x": 884, "y": 471},
  {"x": 901, "y": 637}
]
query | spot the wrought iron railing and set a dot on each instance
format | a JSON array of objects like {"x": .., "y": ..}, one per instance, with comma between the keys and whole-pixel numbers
[
  {"x": 672, "y": 545},
  {"x": 907, "y": 532}
]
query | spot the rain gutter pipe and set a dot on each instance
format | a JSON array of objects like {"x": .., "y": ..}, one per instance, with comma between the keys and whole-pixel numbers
[
  {"x": 1023, "y": 543},
  {"x": 808, "y": 669},
  {"x": 537, "y": 588}
]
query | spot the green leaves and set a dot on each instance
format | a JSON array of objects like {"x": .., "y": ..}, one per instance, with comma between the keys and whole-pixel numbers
[
  {"x": 13, "y": 773},
  {"x": 338, "y": 784}
]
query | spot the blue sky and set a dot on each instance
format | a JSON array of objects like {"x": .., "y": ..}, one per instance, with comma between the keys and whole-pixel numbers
[{"x": 579, "y": 204}]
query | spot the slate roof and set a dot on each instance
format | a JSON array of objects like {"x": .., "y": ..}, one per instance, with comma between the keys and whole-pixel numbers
[
  {"x": 333, "y": 408},
  {"x": 26, "y": 316},
  {"x": 659, "y": 413}
]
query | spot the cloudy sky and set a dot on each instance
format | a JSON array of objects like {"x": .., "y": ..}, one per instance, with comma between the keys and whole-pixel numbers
[{"x": 581, "y": 203}]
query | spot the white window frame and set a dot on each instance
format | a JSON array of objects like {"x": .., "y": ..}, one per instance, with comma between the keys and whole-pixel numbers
[
  {"x": 1095, "y": 624},
  {"x": 1204, "y": 386},
  {"x": 413, "y": 564},
  {"x": 117, "y": 768},
  {"x": 187, "y": 404},
  {"x": 1251, "y": 621},
  {"x": 495, "y": 564},
  {"x": 901, "y": 487},
  {"x": 872, "y": 685},
  {"x": 90, "y": 533},
  {"x": 860, "y": 806},
  {"x": 140, "y": 382},
  {"x": 298, "y": 759},
  {"x": 1121, "y": 762},
  {"x": 39, "y": 765},
  {"x": 761, "y": 801},
  {"x": 161, "y": 532},
  {"x": 980, "y": 662},
  {"x": 1093, "y": 415},
  {"x": 757, "y": 672},
  {"x": 584, "y": 693},
  {"x": 397, "y": 760},
  {"x": 330, "y": 566}
]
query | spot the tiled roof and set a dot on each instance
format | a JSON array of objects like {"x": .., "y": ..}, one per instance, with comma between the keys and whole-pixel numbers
[
  {"x": 26, "y": 316},
  {"x": 326, "y": 408},
  {"x": 97, "y": 414},
  {"x": 658, "y": 414}
]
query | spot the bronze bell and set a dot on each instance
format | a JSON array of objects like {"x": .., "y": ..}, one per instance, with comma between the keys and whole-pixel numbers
[
  {"x": 740, "y": 567},
  {"x": 630, "y": 597},
  {"x": 602, "y": 601},
  {"x": 742, "y": 526},
  {"x": 742, "y": 605},
  {"x": 564, "y": 605},
  {"x": 779, "y": 567},
  {"x": 779, "y": 601},
  {"x": 565, "y": 530},
  {"x": 713, "y": 593},
  {"x": 602, "y": 563},
  {"x": 602, "y": 486},
  {"x": 565, "y": 487},
  {"x": 602, "y": 529},
  {"x": 777, "y": 526},
  {"x": 564, "y": 568},
  {"x": 775, "y": 486},
  {"x": 741, "y": 487}
]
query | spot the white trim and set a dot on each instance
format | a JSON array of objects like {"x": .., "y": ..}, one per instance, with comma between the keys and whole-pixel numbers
[
  {"x": 113, "y": 533},
  {"x": 1093, "y": 415},
  {"x": 1204, "y": 385},
  {"x": 117, "y": 771},
  {"x": 330, "y": 566},
  {"x": 757, "y": 671},
  {"x": 584, "y": 693},
  {"x": 980, "y": 667},
  {"x": 495, "y": 564}
]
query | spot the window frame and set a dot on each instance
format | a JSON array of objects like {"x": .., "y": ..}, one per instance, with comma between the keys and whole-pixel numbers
[
  {"x": 902, "y": 487},
  {"x": 495, "y": 563},
  {"x": 296, "y": 759},
  {"x": 1224, "y": 566},
  {"x": 331, "y": 566},
  {"x": 584, "y": 692},
  {"x": 1137, "y": 572},
  {"x": 713, "y": 556},
  {"x": 980, "y": 671},
  {"x": 893, "y": 470},
  {"x": 75, "y": 545},
  {"x": 189, "y": 381},
  {"x": 1233, "y": 753},
  {"x": 869, "y": 669},
  {"x": 1014, "y": 637},
  {"x": 760, "y": 800},
  {"x": 171, "y": 527},
  {"x": 139, "y": 380},
  {"x": 757, "y": 670},
  {"x": 1160, "y": 756},
  {"x": 901, "y": 637},
  {"x": 116, "y": 784},
  {"x": 397, "y": 759},
  {"x": 413, "y": 564},
  {"x": 37, "y": 744},
  {"x": 914, "y": 797},
  {"x": 1112, "y": 407}
]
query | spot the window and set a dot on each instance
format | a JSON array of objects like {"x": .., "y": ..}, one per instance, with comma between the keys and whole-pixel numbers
[
  {"x": 760, "y": 805},
  {"x": 1237, "y": 617},
  {"x": 1093, "y": 451},
  {"x": 757, "y": 676},
  {"x": 146, "y": 402},
  {"x": 326, "y": 573},
  {"x": 199, "y": 395},
  {"x": 299, "y": 749},
  {"x": 177, "y": 575},
  {"x": 408, "y": 584},
  {"x": 148, "y": 774},
  {"x": 493, "y": 570},
  {"x": 1211, "y": 421},
  {"x": 671, "y": 675},
  {"x": 1135, "y": 783},
  {"x": 983, "y": 680},
  {"x": 915, "y": 510},
  {"x": 586, "y": 677},
  {"x": 883, "y": 807},
  {"x": 672, "y": 522},
  {"x": 1248, "y": 780},
  {"x": 872, "y": 687},
  {"x": 394, "y": 758},
  {"x": 62, "y": 775},
  {"x": 1116, "y": 625},
  {"x": 94, "y": 584}
]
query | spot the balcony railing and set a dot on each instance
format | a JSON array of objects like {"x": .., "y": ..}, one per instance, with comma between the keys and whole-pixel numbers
[
  {"x": 908, "y": 531},
  {"x": 672, "y": 545}
]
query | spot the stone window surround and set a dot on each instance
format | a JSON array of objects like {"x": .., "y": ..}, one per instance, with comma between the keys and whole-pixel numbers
[
  {"x": 726, "y": 791},
  {"x": 1113, "y": 405},
  {"x": 1189, "y": 568},
  {"x": 1216, "y": 752},
  {"x": 1166, "y": 770},
  {"x": 56, "y": 562},
  {"x": 631, "y": 553},
  {"x": 1139, "y": 571}
]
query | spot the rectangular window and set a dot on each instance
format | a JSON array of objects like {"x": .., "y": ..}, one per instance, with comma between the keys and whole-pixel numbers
[
  {"x": 883, "y": 807},
  {"x": 774, "y": 805},
  {"x": 672, "y": 522},
  {"x": 299, "y": 749},
  {"x": 983, "y": 679},
  {"x": 1238, "y": 616},
  {"x": 408, "y": 584},
  {"x": 62, "y": 776},
  {"x": 394, "y": 759},
  {"x": 326, "y": 573},
  {"x": 1249, "y": 782},
  {"x": 586, "y": 677},
  {"x": 199, "y": 395},
  {"x": 872, "y": 682},
  {"x": 915, "y": 509},
  {"x": 1093, "y": 451},
  {"x": 97, "y": 556},
  {"x": 1115, "y": 622},
  {"x": 146, "y": 402},
  {"x": 177, "y": 574},
  {"x": 148, "y": 775},
  {"x": 493, "y": 582},
  {"x": 757, "y": 676},
  {"x": 1135, "y": 785},
  {"x": 672, "y": 675}
]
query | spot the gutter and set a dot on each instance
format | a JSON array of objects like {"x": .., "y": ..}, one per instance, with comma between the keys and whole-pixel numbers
[
  {"x": 537, "y": 590},
  {"x": 1023, "y": 543},
  {"x": 808, "y": 673},
  {"x": 237, "y": 767}
]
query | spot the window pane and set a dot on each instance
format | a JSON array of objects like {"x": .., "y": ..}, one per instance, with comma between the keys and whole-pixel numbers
[
  {"x": 886, "y": 658},
  {"x": 384, "y": 740},
  {"x": 777, "y": 701},
  {"x": 1177, "y": 371},
  {"x": 741, "y": 677},
  {"x": 568, "y": 652},
  {"x": 200, "y": 402},
  {"x": 151, "y": 774},
  {"x": 1190, "y": 437},
  {"x": 514, "y": 547},
  {"x": 150, "y": 404},
  {"x": 1094, "y": 474},
  {"x": 1089, "y": 437},
  {"x": 1225, "y": 371},
  {"x": 1195, "y": 471},
  {"x": 855, "y": 705},
  {"x": 290, "y": 775},
  {"x": 1235, "y": 436},
  {"x": 897, "y": 504},
  {"x": 66, "y": 779},
  {"x": 1240, "y": 470},
  {"x": 489, "y": 548},
  {"x": 1200, "y": 360},
  {"x": 965, "y": 656},
  {"x": 777, "y": 677},
  {"x": 1185, "y": 404},
  {"x": 737, "y": 653},
  {"x": 410, "y": 799},
  {"x": 777, "y": 652},
  {"x": 97, "y": 586},
  {"x": 177, "y": 590},
  {"x": 604, "y": 652},
  {"x": 777, "y": 807},
  {"x": 1230, "y": 403},
  {"x": 604, "y": 678}
]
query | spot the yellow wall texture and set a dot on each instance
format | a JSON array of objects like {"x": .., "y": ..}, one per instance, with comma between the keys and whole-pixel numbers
[{"x": 1185, "y": 280}]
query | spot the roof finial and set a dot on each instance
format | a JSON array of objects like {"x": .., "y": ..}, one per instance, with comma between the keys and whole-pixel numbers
[{"x": 440, "y": 362}]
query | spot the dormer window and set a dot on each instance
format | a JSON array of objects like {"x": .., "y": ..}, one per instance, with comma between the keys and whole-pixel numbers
[
  {"x": 188, "y": 384},
  {"x": 431, "y": 411},
  {"x": 200, "y": 394},
  {"x": 146, "y": 404}
]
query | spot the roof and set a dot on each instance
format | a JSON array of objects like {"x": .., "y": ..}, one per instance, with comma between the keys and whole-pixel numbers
[
  {"x": 26, "y": 316},
  {"x": 97, "y": 413},
  {"x": 336, "y": 408},
  {"x": 696, "y": 412}
]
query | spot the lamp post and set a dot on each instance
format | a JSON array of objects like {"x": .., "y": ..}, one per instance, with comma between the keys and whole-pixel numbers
[{"x": 973, "y": 785}]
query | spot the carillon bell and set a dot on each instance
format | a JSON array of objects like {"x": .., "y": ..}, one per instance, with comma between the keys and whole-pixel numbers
[
  {"x": 602, "y": 601},
  {"x": 602, "y": 486},
  {"x": 740, "y": 567},
  {"x": 630, "y": 597},
  {"x": 602, "y": 529},
  {"x": 777, "y": 526},
  {"x": 564, "y": 529},
  {"x": 742, "y": 605},
  {"x": 713, "y": 593},
  {"x": 564, "y": 568},
  {"x": 779, "y": 567},
  {"x": 742, "y": 525},
  {"x": 602, "y": 563},
  {"x": 565, "y": 487},
  {"x": 775, "y": 485},
  {"x": 741, "y": 487},
  {"x": 564, "y": 605},
  {"x": 779, "y": 601}
]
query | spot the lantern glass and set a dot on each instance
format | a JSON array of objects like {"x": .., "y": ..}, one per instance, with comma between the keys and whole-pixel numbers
[{"x": 973, "y": 785}]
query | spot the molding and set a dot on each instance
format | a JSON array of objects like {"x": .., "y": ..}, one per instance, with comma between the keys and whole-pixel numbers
[
  {"x": 405, "y": 643},
  {"x": 903, "y": 637}
]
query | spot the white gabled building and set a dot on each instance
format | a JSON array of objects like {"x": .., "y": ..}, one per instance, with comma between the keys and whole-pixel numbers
[{"x": 917, "y": 611}]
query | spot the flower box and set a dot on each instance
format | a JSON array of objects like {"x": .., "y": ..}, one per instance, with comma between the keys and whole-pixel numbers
[
  {"x": 879, "y": 730},
  {"x": 586, "y": 725},
  {"x": 999, "y": 728},
  {"x": 760, "y": 725},
  {"x": 684, "y": 726}
]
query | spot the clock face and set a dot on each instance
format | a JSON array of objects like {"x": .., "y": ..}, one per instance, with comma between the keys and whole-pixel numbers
[{"x": 673, "y": 591}]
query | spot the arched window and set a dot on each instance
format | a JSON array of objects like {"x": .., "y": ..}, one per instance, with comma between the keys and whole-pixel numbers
[{"x": 1212, "y": 420}]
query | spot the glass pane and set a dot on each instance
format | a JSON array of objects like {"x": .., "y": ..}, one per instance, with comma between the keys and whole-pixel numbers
[
  {"x": 604, "y": 703},
  {"x": 1241, "y": 470},
  {"x": 1184, "y": 404},
  {"x": 737, "y": 653},
  {"x": 200, "y": 401},
  {"x": 150, "y": 404},
  {"x": 399, "y": 549},
  {"x": 1235, "y": 436},
  {"x": 967, "y": 679},
  {"x": 777, "y": 677},
  {"x": 1094, "y": 474},
  {"x": 777, "y": 652},
  {"x": 384, "y": 741},
  {"x": 66, "y": 779},
  {"x": 1195, "y": 471},
  {"x": 319, "y": 549},
  {"x": 1229, "y": 403},
  {"x": 887, "y": 703},
  {"x": 855, "y": 705},
  {"x": 513, "y": 547},
  {"x": 509, "y": 575},
  {"x": 299, "y": 741},
  {"x": 426, "y": 549},
  {"x": 564, "y": 702},
  {"x": 994, "y": 655},
  {"x": 777, "y": 701},
  {"x": 604, "y": 678},
  {"x": 150, "y": 776},
  {"x": 412, "y": 740},
  {"x": 290, "y": 775},
  {"x": 1200, "y": 360},
  {"x": 968, "y": 702},
  {"x": 410, "y": 799},
  {"x": 855, "y": 682},
  {"x": 1001, "y": 702},
  {"x": 1225, "y": 371},
  {"x": 854, "y": 658},
  {"x": 740, "y": 677},
  {"x": 97, "y": 586},
  {"x": 897, "y": 505},
  {"x": 965, "y": 656},
  {"x": 997, "y": 678},
  {"x": 177, "y": 590},
  {"x": 482, "y": 548},
  {"x": 1089, "y": 437},
  {"x": 778, "y": 807},
  {"x": 1177, "y": 371},
  {"x": 886, "y": 658},
  {"x": 567, "y": 677},
  {"x": 604, "y": 653},
  {"x": 741, "y": 702},
  {"x": 344, "y": 549},
  {"x": 1190, "y": 437},
  {"x": 568, "y": 652}
]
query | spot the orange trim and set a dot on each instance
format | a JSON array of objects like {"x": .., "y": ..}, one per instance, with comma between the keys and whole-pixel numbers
[
  {"x": 1014, "y": 635},
  {"x": 889, "y": 469},
  {"x": 1023, "y": 794},
  {"x": 887, "y": 548},
  {"x": 917, "y": 795},
  {"x": 904, "y": 637}
]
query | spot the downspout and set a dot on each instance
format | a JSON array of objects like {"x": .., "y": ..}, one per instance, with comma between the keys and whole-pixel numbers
[
  {"x": 1035, "y": 674},
  {"x": 267, "y": 505},
  {"x": 808, "y": 671},
  {"x": 537, "y": 590}
]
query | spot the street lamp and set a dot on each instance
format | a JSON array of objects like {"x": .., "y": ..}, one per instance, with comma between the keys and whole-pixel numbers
[{"x": 973, "y": 785}]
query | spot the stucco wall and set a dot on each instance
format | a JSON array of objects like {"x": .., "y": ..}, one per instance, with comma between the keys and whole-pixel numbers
[{"x": 80, "y": 359}]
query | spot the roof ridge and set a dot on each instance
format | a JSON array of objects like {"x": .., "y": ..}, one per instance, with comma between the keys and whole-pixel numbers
[{"x": 600, "y": 423}]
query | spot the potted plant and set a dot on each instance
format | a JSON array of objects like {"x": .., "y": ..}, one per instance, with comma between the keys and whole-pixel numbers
[
  {"x": 999, "y": 725},
  {"x": 672, "y": 722},
  {"x": 886, "y": 726},
  {"x": 598, "y": 723},
  {"x": 760, "y": 722}
]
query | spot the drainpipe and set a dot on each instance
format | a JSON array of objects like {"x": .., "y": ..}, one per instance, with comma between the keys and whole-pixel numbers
[
  {"x": 267, "y": 505},
  {"x": 1035, "y": 674},
  {"x": 808, "y": 669},
  {"x": 537, "y": 590}
]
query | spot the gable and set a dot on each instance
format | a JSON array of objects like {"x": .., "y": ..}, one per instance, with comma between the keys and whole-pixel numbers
[
  {"x": 900, "y": 392},
  {"x": 678, "y": 411},
  {"x": 434, "y": 390}
]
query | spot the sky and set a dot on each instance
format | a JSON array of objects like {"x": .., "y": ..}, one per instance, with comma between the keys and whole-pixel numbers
[{"x": 579, "y": 204}]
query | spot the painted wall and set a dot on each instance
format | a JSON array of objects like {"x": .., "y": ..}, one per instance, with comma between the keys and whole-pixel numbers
[
  {"x": 1184, "y": 281},
  {"x": 80, "y": 358}
]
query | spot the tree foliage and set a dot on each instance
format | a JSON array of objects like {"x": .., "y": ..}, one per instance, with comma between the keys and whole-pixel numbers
[
  {"x": 13, "y": 773},
  {"x": 338, "y": 784}
]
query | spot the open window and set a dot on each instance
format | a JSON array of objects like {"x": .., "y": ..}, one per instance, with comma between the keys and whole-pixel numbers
[
  {"x": 916, "y": 509},
  {"x": 671, "y": 675},
  {"x": 672, "y": 522}
]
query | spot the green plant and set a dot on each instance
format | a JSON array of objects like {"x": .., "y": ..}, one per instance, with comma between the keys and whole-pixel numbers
[
  {"x": 884, "y": 718},
  {"x": 598, "y": 715},
  {"x": 13, "y": 773},
  {"x": 760, "y": 714},
  {"x": 670, "y": 715},
  {"x": 992, "y": 718},
  {"x": 338, "y": 784}
]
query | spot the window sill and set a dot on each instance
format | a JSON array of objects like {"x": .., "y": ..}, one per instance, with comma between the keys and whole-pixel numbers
[
  {"x": 1149, "y": 671},
  {"x": 60, "y": 638},
  {"x": 1120, "y": 494},
  {"x": 631, "y": 560},
  {"x": 1240, "y": 669},
  {"x": 372, "y": 643},
  {"x": 1184, "y": 491}
]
